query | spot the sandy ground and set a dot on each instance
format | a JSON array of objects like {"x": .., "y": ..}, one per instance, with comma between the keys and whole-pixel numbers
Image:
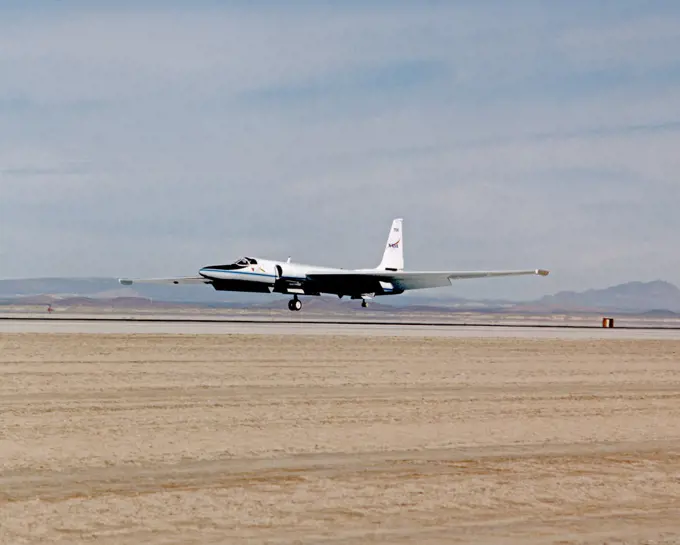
[{"x": 337, "y": 439}]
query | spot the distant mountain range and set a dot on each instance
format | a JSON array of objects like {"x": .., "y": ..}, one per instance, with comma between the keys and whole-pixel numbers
[
  {"x": 657, "y": 297},
  {"x": 632, "y": 296}
]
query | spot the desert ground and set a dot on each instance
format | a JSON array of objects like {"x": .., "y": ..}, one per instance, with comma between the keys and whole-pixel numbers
[{"x": 297, "y": 439}]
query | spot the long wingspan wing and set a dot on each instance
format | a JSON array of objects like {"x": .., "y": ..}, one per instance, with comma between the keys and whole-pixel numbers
[
  {"x": 181, "y": 280},
  {"x": 418, "y": 280},
  {"x": 366, "y": 281}
]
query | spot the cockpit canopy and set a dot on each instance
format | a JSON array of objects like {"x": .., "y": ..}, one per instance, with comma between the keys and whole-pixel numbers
[
  {"x": 240, "y": 263},
  {"x": 245, "y": 262}
]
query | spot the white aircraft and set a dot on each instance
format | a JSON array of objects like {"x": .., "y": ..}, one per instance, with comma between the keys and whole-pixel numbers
[{"x": 249, "y": 274}]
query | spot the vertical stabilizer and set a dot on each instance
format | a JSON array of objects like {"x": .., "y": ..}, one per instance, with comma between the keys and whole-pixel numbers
[{"x": 393, "y": 258}]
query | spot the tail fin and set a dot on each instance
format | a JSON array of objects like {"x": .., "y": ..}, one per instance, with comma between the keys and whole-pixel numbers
[{"x": 393, "y": 258}]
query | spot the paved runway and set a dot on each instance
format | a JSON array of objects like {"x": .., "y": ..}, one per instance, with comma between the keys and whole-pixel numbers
[{"x": 319, "y": 328}]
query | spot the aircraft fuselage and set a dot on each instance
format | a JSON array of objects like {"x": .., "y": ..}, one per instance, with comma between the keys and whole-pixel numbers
[{"x": 268, "y": 276}]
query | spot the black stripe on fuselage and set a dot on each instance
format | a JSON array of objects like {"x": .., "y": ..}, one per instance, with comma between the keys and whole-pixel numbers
[{"x": 241, "y": 285}]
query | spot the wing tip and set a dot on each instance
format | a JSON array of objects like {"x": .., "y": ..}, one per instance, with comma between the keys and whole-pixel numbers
[{"x": 542, "y": 272}]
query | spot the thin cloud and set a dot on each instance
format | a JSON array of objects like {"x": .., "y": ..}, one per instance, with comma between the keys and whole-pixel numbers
[{"x": 153, "y": 140}]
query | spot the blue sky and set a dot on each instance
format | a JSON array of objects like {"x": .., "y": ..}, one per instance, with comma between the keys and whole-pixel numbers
[{"x": 151, "y": 138}]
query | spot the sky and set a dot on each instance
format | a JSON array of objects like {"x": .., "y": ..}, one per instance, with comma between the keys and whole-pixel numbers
[{"x": 153, "y": 138}]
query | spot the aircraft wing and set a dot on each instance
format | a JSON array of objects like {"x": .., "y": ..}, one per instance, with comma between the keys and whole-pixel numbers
[
  {"x": 180, "y": 280},
  {"x": 418, "y": 280},
  {"x": 365, "y": 281}
]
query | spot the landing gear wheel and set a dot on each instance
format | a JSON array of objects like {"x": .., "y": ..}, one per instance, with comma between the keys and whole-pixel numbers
[
  {"x": 364, "y": 304},
  {"x": 294, "y": 304}
]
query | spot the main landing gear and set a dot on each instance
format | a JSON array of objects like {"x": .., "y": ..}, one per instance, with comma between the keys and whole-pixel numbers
[
  {"x": 294, "y": 304},
  {"x": 364, "y": 304}
]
